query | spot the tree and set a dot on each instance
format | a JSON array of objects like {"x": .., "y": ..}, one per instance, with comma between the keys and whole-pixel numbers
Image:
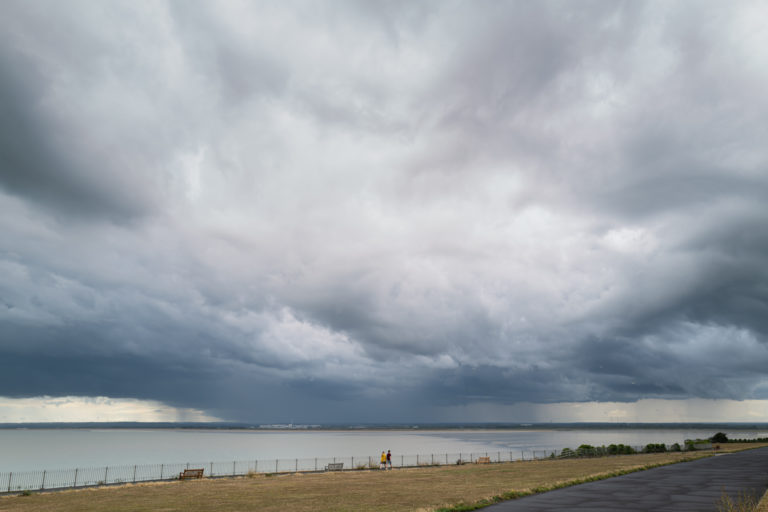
[{"x": 719, "y": 438}]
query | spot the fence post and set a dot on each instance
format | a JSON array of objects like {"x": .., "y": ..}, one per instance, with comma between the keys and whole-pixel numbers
[
  {"x": 187, "y": 465},
  {"x": 134, "y": 473},
  {"x": 296, "y": 467},
  {"x": 256, "y": 466},
  {"x": 401, "y": 461},
  {"x": 498, "y": 456},
  {"x": 211, "y": 468},
  {"x": 161, "y": 471},
  {"x": 233, "y": 468},
  {"x": 75, "y": 484},
  {"x": 276, "y": 465},
  {"x": 42, "y": 485},
  {"x": 315, "y": 463},
  {"x": 353, "y": 463},
  {"x": 10, "y": 475},
  {"x": 106, "y": 471},
  {"x": 446, "y": 459},
  {"x": 433, "y": 458},
  {"x": 417, "y": 459}
]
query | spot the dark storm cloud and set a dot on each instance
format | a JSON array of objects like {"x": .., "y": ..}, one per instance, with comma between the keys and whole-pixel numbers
[
  {"x": 343, "y": 209},
  {"x": 35, "y": 159}
]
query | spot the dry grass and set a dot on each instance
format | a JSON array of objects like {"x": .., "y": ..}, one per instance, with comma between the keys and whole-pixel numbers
[
  {"x": 763, "y": 505},
  {"x": 399, "y": 490},
  {"x": 739, "y": 447},
  {"x": 742, "y": 503}
]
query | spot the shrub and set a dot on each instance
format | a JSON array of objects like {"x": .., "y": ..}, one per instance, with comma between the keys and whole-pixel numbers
[
  {"x": 655, "y": 448},
  {"x": 620, "y": 449},
  {"x": 567, "y": 452},
  {"x": 756, "y": 440},
  {"x": 586, "y": 450},
  {"x": 675, "y": 448},
  {"x": 719, "y": 438}
]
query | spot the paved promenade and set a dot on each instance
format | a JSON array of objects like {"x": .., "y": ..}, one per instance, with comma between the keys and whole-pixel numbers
[{"x": 687, "y": 487}]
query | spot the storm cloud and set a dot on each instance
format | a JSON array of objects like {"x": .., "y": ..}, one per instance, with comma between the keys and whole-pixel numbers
[{"x": 350, "y": 211}]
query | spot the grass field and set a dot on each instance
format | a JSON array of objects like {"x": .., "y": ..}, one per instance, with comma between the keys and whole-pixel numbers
[{"x": 420, "y": 489}]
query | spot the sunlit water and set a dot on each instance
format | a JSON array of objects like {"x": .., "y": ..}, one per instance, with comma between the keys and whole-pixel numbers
[{"x": 25, "y": 450}]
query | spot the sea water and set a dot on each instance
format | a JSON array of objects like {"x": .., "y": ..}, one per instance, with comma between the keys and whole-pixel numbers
[{"x": 38, "y": 449}]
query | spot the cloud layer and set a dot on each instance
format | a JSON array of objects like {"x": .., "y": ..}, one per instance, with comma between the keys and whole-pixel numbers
[{"x": 319, "y": 211}]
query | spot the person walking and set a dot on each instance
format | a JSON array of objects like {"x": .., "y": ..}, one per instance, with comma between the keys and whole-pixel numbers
[
  {"x": 383, "y": 464},
  {"x": 389, "y": 459}
]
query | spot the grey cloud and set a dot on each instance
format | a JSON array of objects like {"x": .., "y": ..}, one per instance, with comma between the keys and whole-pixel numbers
[
  {"x": 236, "y": 62},
  {"x": 34, "y": 164},
  {"x": 343, "y": 209}
]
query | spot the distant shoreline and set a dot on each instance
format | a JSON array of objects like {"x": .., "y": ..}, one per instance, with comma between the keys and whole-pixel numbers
[{"x": 404, "y": 427}]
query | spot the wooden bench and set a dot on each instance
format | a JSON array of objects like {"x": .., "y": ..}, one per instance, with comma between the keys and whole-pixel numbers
[
  {"x": 483, "y": 460},
  {"x": 191, "y": 473},
  {"x": 334, "y": 466}
]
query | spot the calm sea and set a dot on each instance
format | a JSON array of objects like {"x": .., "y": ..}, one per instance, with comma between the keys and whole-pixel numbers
[{"x": 37, "y": 449}]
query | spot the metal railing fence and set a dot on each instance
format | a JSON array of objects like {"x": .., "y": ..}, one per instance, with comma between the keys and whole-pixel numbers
[{"x": 21, "y": 481}]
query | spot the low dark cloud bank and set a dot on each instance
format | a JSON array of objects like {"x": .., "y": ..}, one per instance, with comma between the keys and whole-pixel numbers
[{"x": 336, "y": 211}]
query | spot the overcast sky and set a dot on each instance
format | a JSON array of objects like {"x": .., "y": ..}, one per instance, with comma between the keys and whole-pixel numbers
[{"x": 384, "y": 211}]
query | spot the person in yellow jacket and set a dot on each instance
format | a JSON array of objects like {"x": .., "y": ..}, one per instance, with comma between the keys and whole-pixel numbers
[{"x": 383, "y": 464}]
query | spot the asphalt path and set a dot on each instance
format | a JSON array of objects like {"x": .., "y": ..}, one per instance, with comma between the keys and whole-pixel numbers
[{"x": 696, "y": 486}]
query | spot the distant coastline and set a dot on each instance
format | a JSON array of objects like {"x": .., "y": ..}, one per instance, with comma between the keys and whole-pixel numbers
[{"x": 380, "y": 426}]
